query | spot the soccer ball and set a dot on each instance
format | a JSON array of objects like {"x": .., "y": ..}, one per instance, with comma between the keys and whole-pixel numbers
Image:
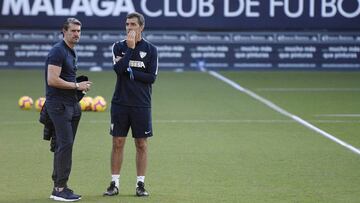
[
  {"x": 99, "y": 104},
  {"x": 25, "y": 102},
  {"x": 85, "y": 103},
  {"x": 39, "y": 103}
]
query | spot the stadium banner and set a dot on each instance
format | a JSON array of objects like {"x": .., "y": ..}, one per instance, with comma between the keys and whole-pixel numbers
[
  {"x": 196, "y": 50},
  {"x": 214, "y": 15}
]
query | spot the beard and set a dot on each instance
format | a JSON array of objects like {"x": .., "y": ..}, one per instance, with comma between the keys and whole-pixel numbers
[{"x": 75, "y": 40}]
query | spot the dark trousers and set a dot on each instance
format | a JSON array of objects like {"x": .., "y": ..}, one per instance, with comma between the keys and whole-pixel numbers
[{"x": 65, "y": 118}]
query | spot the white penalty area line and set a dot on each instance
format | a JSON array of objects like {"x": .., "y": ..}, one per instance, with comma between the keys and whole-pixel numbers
[{"x": 283, "y": 112}]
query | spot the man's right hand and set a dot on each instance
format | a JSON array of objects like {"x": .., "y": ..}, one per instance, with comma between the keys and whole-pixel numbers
[{"x": 130, "y": 39}]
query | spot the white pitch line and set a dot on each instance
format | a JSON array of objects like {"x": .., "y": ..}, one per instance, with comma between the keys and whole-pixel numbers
[
  {"x": 337, "y": 115},
  {"x": 162, "y": 121},
  {"x": 222, "y": 121},
  {"x": 335, "y": 121},
  {"x": 175, "y": 121},
  {"x": 314, "y": 89},
  {"x": 251, "y": 121},
  {"x": 283, "y": 112},
  {"x": 207, "y": 121}
]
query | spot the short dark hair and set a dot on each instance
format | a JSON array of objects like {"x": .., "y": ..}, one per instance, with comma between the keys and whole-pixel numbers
[
  {"x": 137, "y": 15},
  {"x": 70, "y": 21}
]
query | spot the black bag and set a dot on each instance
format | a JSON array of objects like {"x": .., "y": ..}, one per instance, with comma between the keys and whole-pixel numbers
[
  {"x": 81, "y": 94},
  {"x": 49, "y": 130}
]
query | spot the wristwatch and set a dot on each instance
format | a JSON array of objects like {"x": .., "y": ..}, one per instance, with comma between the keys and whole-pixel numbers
[{"x": 77, "y": 85}]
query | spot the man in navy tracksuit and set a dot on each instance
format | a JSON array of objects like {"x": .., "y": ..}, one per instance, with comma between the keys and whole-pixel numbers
[
  {"x": 136, "y": 65},
  {"x": 62, "y": 105}
]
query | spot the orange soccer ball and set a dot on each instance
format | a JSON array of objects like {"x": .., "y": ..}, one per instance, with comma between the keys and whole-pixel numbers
[
  {"x": 39, "y": 103},
  {"x": 25, "y": 102},
  {"x": 85, "y": 103},
  {"x": 99, "y": 104}
]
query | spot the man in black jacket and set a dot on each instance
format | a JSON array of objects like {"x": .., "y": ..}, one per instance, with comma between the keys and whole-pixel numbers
[{"x": 136, "y": 66}]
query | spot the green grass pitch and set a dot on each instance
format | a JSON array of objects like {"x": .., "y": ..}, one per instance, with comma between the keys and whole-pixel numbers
[{"x": 212, "y": 143}]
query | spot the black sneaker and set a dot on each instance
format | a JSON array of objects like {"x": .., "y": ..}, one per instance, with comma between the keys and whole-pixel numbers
[
  {"x": 53, "y": 194},
  {"x": 66, "y": 195},
  {"x": 140, "y": 190},
  {"x": 111, "y": 190}
]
